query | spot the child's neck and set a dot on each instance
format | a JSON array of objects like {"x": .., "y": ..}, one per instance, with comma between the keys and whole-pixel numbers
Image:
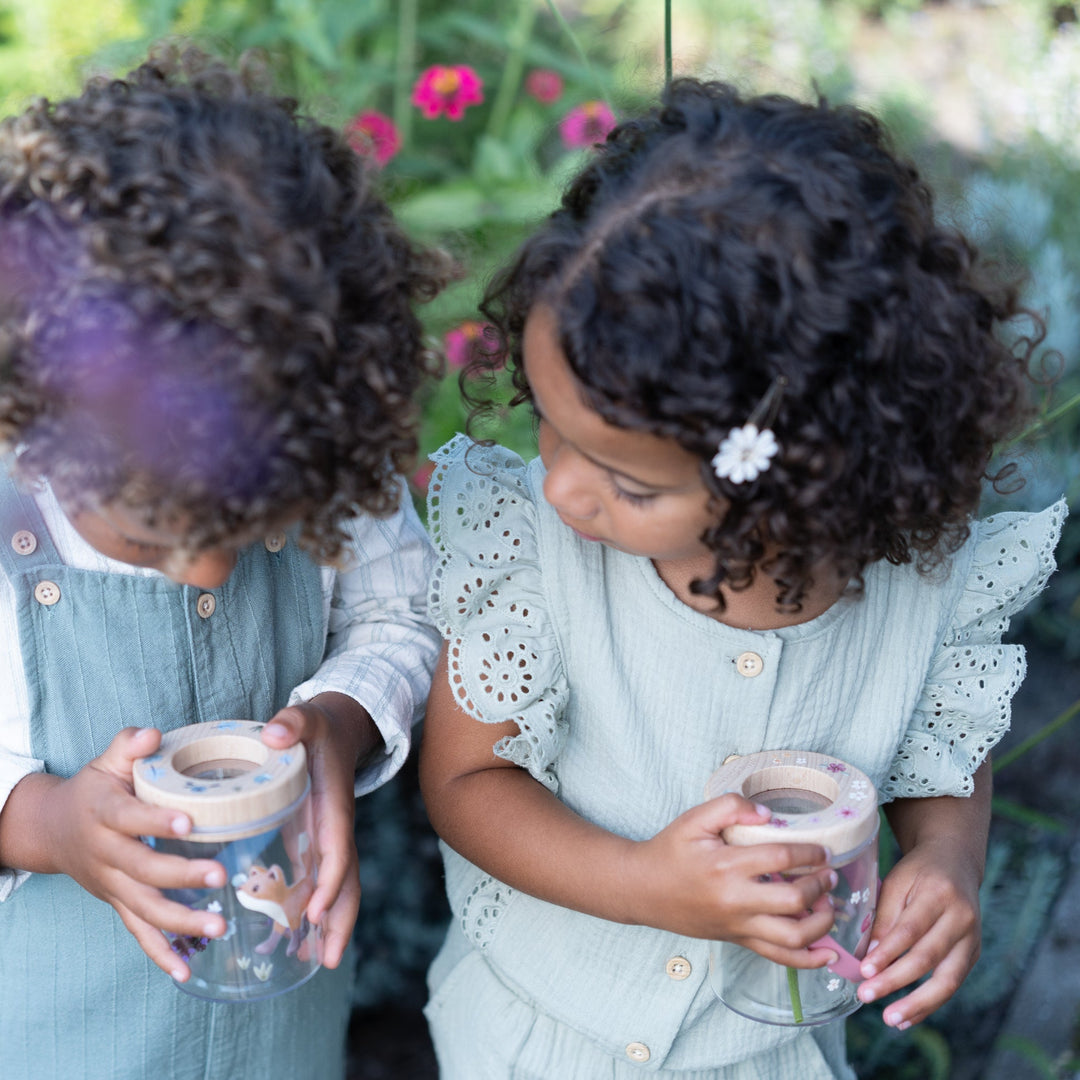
[{"x": 753, "y": 608}]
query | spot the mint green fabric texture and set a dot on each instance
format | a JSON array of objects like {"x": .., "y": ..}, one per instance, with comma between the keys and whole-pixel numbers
[
  {"x": 626, "y": 701},
  {"x": 78, "y": 998}
]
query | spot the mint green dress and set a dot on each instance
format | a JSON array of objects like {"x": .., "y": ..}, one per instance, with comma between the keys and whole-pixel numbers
[{"x": 626, "y": 700}]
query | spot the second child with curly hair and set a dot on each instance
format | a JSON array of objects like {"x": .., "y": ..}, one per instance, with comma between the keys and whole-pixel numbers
[
  {"x": 768, "y": 385},
  {"x": 207, "y": 354}
]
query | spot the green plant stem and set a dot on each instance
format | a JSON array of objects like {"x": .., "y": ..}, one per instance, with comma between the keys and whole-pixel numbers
[
  {"x": 793, "y": 993},
  {"x": 560, "y": 18},
  {"x": 667, "y": 42},
  {"x": 405, "y": 68},
  {"x": 512, "y": 72},
  {"x": 1037, "y": 737},
  {"x": 1045, "y": 421}
]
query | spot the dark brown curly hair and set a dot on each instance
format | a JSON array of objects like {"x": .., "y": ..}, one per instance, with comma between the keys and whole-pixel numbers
[
  {"x": 206, "y": 308},
  {"x": 721, "y": 244}
]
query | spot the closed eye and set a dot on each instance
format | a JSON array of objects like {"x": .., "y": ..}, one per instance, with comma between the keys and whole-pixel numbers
[{"x": 633, "y": 497}]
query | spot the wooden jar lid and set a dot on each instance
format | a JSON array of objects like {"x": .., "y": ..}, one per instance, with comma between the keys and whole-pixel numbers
[
  {"x": 840, "y": 802},
  {"x": 223, "y": 777}
]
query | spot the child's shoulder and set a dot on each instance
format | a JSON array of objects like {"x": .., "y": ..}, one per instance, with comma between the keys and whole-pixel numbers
[
  {"x": 483, "y": 498},
  {"x": 1004, "y": 564}
]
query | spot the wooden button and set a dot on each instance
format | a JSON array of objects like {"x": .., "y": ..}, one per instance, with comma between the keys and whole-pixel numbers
[
  {"x": 637, "y": 1051},
  {"x": 47, "y": 593},
  {"x": 275, "y": 542},
  {"x": 678, "y": 968},
  {"x": 749, "y": 664},
  {"x": 24, "y": 542},
  {"x": 206, "y": 605}
]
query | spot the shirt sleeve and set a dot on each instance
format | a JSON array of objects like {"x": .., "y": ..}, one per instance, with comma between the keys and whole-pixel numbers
[
  {"x": 381, "y": 645},
  {"x": 966, "y": 702},
  {"x": 487, "y": 599}
]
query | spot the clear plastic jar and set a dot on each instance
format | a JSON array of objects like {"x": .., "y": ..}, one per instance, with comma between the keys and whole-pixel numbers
[
  {"x": 250, "y": 809},
  {"x": 814, "y": 799}
]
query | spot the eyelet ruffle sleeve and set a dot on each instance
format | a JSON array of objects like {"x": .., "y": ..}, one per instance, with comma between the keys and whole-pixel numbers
[
  {"x": 487, "y": 599},
  {"x": 966, "y": 702}
]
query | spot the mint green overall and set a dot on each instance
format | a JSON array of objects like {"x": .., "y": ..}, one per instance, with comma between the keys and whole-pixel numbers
[{"x": 79, "y": 1000}]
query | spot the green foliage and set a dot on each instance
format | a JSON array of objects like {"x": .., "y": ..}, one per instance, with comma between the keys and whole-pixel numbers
[{"x": 477, "y": 186}]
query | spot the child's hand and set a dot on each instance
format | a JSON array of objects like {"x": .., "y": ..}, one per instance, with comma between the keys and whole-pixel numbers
[
  {"x": 927, "y": 921},
  {"x": 338, "y": 733},
  {"x": 92, "y": 824},
  {"x": 693, "y": 883}
]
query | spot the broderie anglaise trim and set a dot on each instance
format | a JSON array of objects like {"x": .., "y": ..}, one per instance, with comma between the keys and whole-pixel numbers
[{"x": 486, "y": 597}]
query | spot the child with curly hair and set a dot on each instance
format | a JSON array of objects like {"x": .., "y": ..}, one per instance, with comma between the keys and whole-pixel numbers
[
  {"x": 768, "y": 386},
  {"x": 207, "y": 354}
]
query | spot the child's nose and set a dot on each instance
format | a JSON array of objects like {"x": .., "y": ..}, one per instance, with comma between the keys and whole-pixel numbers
[
  {"x": 570, "y": 485},
  {"x": 206, "y": 570}
]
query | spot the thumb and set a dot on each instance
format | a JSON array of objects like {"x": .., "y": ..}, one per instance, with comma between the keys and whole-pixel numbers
[
  {"x": 128, "y": 745},
  {"x": 288, "y": 726},
  {"x": 717, "y": 814}
]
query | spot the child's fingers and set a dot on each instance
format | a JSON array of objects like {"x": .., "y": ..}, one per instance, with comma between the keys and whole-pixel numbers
[
  {"x": 717, "y": 814},
  {"x": 785, "y": 940},
  {"x": 127, "y": 746},
  {"x": 156, "y": 946},
  {"x": 792, "y": 896},
  {"x": 171, "y": 871},
  {"x": 930, "y": 995},
  {"x": 152, "y": 907},
  {"x": 289, "y": 726},
  {"x": 782, "y": 863},
  {"x": 339, "y": 920},
  {"x": 943, "y": 950}
]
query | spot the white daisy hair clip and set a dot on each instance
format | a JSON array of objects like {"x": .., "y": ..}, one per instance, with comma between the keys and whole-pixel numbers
[{"x": 746, "y": 452}]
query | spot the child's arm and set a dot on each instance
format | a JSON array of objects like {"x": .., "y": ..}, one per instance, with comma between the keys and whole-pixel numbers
[
  {"x": 89, "y": 827},
  {"x": 355, "y": 714},
  {"x": 685, "y": 879},
  {"x": 339, "y": 735},
  {"x": 928, "y": 913}
]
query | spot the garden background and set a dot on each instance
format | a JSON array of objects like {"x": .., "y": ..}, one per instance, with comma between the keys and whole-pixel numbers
[{"x": 474, "y": 113}]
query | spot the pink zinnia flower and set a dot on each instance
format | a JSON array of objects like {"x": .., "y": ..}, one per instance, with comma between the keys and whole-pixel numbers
[
  {"x": 587, "y": 124},
  {"x": 373, "y": 134},
  {"x": 448, "y": 90},
  {"x": 422, "y": 477},
  {"x": 465, "y": 342},
  {"x": 544, "y": 85}
]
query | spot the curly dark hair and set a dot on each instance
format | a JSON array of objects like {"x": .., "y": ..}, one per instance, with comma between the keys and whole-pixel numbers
[
  {"x": 206, "y": 308},
  {"x": 720, "y": 244}
]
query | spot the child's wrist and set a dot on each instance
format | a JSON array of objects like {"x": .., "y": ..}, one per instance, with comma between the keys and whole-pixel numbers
[{"x": 352, "y": 726}]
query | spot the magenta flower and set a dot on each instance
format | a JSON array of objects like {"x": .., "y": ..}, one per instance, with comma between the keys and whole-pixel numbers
[
  {"x": 449, "y": 90},
  {"x": 466, "y": 342},
  {"x": 544, "y": 85},
  {"x": 587, "y": 124},
  {"x": 422, "y": 477},
  {"x": 373, "y": 135}
]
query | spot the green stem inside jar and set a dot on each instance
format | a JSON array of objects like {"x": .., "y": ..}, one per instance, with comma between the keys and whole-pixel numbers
[{"x": 793, "y": 993}]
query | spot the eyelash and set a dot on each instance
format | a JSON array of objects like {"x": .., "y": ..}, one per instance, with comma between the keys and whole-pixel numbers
[{"x": 629, "y": 496}]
